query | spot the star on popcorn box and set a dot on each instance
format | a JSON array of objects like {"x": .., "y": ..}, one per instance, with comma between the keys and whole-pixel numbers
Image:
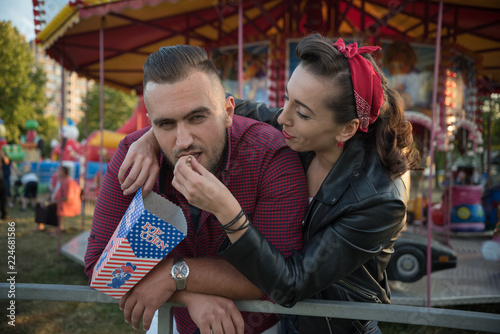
[{"x": 148, "y": 231}]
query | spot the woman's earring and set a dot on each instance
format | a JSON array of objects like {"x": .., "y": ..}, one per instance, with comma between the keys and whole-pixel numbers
[{"x": 340, "y": 144}]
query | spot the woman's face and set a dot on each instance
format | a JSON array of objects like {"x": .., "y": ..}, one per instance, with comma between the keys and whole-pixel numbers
[{"x": 307, "y": 123}]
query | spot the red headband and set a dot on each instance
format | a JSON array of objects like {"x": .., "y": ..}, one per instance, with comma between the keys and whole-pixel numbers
[{"x": 366, "y": 82}]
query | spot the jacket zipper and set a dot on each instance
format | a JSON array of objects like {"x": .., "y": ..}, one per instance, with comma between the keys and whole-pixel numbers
[
  {"x": 328, "y": 324},
  {"x": 363, "y": 292},
  {"x": 311, "y": 217}
]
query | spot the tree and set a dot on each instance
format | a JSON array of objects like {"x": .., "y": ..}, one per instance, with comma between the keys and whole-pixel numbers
[
  {"x": 118, "y": 107},
  {"x": 22, "y": 85}
]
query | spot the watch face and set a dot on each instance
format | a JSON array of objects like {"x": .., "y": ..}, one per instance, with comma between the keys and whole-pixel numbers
[{"x": 180, "y": 271}]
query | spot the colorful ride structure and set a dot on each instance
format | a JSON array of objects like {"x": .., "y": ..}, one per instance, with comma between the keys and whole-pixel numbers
[
  {"x": 467, "y": 212},
  {"x": 28, "y": 150},
  {"x": 72, "y": 149}
]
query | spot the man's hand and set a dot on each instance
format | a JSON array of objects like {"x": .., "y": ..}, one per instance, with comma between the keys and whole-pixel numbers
[
  {"x": 148, "y": 295},
  {"x": 142, "y": 158},
  {"x": 214, "y": 313},
  {"x": 203, "y": 190}
]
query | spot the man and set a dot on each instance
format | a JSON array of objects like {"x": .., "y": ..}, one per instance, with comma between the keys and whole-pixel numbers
[
  {"x": 4, "y": 161},
  {"x": 191, "y": 115}
]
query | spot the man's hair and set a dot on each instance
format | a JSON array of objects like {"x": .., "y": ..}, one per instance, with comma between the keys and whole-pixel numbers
[{"x": 171, "y": 64}]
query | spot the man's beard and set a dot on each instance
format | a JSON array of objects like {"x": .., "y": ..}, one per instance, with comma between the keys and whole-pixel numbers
[{"x": 213, "y": 164}]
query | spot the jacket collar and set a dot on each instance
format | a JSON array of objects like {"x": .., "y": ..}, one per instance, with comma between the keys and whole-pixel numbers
[{"x": 337, "y": 180}]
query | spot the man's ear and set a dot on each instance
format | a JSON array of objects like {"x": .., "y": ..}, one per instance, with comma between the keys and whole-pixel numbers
[
  {"x": 348, "y": 131},
  {"x": 229, "y": 107},
  {"x": 149, "y": 118}
]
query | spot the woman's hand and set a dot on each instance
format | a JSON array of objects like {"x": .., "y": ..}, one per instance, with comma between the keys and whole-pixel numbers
[
  {"x": 142, "y": 158},
  {"x": 203, "y": 190}
]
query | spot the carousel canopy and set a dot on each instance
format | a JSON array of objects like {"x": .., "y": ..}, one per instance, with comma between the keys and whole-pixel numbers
[{"x": 133, "y": 29}]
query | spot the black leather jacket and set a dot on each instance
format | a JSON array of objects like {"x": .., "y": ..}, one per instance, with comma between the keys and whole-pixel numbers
[{"x": 349, "y": 230}]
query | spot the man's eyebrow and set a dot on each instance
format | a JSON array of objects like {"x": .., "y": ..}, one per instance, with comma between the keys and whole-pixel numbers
[
  {"x": 299, "y": 102},
  {"x": 195, "y": 111}
]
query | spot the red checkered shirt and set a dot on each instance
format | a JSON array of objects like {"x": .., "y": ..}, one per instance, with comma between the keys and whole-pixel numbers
[{"x": 262, "y": 173}]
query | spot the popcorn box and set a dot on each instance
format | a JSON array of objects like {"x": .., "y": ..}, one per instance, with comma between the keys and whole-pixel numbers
[{"x": 148, "y": 231}]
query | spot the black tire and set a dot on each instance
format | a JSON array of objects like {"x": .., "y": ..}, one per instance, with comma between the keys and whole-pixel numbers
[{"x": 407, "y": 264}]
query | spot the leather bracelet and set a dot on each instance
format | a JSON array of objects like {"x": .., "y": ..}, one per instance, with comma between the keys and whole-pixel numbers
[
  {"x": 243, "y": 226},
  {"x": 227, "y": 227}
]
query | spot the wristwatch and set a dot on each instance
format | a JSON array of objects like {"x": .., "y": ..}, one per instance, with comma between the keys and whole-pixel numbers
[{"x": 180, "y": 273}]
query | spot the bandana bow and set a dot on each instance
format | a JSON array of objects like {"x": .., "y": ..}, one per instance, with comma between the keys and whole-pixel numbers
[{"x": 366, "y": 82}]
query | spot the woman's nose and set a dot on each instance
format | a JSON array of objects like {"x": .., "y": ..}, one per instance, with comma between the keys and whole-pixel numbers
[{"x": 284, "y": 118}]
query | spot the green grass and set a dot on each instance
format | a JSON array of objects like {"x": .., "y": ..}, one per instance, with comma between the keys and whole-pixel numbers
[{"x": 38, "y": 261}]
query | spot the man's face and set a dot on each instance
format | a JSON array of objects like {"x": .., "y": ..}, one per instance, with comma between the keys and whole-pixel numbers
[{"x": 190, "y": 117}]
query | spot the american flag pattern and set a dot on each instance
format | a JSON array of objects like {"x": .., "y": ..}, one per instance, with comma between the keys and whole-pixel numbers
[{"x": 139, "y": 242}]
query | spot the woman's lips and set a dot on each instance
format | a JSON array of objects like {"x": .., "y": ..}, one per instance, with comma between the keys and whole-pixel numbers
[{"x": 286, "y": 135}]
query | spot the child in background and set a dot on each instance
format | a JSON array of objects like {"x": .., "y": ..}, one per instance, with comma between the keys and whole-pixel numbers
[{"x": 30, "y": 182}]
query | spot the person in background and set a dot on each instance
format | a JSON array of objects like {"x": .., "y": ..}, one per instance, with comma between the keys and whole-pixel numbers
[
  {"x": 4, "y": 180},
  {"x": 30, "y": 182},
  {"x": 15, "y": 175},
  {"x": 355, "y": 143},
  {"x": 65, "y": 201},
  {"x": 7, "y": 167}
]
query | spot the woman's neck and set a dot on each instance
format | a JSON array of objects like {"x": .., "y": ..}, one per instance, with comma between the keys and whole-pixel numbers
[
  {"x": 321, "y": 164},
  {"x": 326, "y": 160}
]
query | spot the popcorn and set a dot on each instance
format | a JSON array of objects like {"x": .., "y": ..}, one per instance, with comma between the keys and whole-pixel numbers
[{"x": 149, "y": 230}]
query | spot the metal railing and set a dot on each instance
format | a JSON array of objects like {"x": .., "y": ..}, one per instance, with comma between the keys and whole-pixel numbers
[{"x": 414, "y": 315}]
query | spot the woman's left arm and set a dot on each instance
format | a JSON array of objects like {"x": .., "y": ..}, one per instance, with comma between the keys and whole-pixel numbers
[{"x": 330, "y": 255}]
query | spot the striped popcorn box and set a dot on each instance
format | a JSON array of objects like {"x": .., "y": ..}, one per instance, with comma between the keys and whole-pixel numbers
[{"x": 148, "y": 231}]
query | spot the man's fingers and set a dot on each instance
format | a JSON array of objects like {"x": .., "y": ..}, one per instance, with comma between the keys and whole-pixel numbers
[
  {"x": 150, "y": 183},
  {"x": 238, "y": 322},
  {"x": 204, "y": 328},
  {"x": 147, "y": 318},
  {"x": 128, "y": 307},
  {"x": 217, "y": 328},
  {"x": 180, "y": 180},
  {"x": 137, "y": 315},
  {"x": 127, "y": 162},
  {"x": 228, "y": 326},
  {"x": 197, "y": 167},
  {"x": 123, "y": 300},
  {"x": 125, "y": 182}
]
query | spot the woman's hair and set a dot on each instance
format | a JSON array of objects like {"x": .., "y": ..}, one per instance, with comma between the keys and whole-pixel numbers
[
  {"x": 65, "y": 170},
  {"x": 391, "y": 134}
]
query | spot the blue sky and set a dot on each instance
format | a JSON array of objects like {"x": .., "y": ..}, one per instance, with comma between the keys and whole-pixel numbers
[{"x": 20, "y": 12}]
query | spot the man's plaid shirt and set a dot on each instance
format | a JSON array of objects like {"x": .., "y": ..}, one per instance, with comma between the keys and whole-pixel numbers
[{"x": 262, "y": 173}]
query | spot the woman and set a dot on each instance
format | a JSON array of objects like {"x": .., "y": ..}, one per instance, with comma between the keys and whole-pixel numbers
[
  {"x": 65, "y": 201},
  {"x": 355, "y": 144}
]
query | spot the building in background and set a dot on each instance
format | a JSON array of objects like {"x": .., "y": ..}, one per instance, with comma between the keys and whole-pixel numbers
[{"x": 75, "y": 88}]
